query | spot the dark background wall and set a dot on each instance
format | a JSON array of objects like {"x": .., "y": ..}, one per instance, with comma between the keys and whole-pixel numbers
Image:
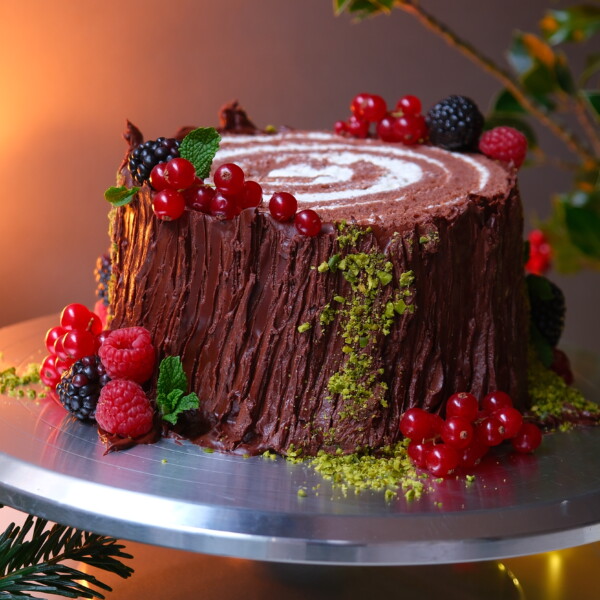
[{"x": 72, "y": 72}]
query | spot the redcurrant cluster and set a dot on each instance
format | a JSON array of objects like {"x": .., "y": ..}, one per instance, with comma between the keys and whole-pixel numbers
[
  {"x": 405, "y": 124},
  {"x": 283, "y": 207},
  {"x": 468, "y": 432},
  {"x": 177, "y": 187},
  {"x": 540, "y": 253},
  {"x": 79, "y": 334}
]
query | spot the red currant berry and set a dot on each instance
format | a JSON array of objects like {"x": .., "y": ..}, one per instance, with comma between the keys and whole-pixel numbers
[
  {"x": 79, "y": 343},
  {"x": 48, "y": 373},
  {"x": 168, "y": 205},
  {"x": 537, "y": 237},
  {"x": 63, "y": 364},
  {"x": 199, "y": 198},
  {"x": 52, "y": 335},
  {"x": 418, "y": 425},
  {"x": 224, "y": 208},
  {"x": 409, "y": 105},
  {"x": 75, "y": 316},
  {"x": 462, "y": 405},
  {"x": 102, "y": 336},
  {"x": 58, "y": 349},
  {"x": 457, "y": 432},
  {"x": 374, "y": 108},
  {"x": 385, "y": 129},
  {"x": 251, "y": 195},
  {"x": 489, "y": 432},
  {"x": 229, "y": 179},
  {"x": 95, "y": 326},
  {"x": 471, "y": 456},
  {"x": 357, "y": 127},
  {"x": 495, "y": 400},
  {"x": 410, "y": 129},
  {"x": 441, "y": 460},
  {"x": 418, "y": 452},
  {"x": 282, "y": 206},
  {"x": 340, "y": 127},
  {"x": 180, "y": 173},
  {"x": 356, "y": 106},
  {"x": 308, "y": 222},
  {"x": 511, "y": 419},
  {"x": 528, "y": 438},
  {"x": 157, "y": 177}
]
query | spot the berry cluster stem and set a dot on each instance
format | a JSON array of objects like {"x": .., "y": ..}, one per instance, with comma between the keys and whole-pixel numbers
[{"x": 430, "y": 22}]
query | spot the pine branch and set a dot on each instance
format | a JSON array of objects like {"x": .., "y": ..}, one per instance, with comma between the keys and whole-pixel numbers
[{"x": 32, "y": 557}]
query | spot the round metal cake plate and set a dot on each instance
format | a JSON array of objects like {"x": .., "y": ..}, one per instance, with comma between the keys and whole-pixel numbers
[{"x": 177, "y": 495}]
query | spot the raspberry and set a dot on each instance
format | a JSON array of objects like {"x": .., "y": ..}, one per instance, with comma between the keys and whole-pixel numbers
[
  {"x": 124, "y": 409},
  {"x": 128, "y": 354},
  {"x": 505, "y": 144},
  {"x": 455, "y": 123}
]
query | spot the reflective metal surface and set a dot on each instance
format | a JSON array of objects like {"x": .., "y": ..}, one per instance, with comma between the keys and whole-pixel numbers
[{"x": 176, "y": 495}]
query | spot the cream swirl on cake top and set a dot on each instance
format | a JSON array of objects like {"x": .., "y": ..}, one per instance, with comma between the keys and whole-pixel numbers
[{"x": 345, "y": 178}]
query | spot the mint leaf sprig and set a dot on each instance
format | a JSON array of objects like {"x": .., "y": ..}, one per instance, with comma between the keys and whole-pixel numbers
[
  {"x": 200, "y": 147},
  {"x": 171, "y": 397},
  {"x": 120, "y": 196}
]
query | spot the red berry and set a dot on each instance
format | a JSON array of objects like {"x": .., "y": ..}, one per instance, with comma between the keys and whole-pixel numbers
[
  {"x": 357, "y": 127},
  {"x": 124, "y": 409},
  {"x": 441, "y": 460},
  {"x": 229, "y": 179},
  {"x": 76, "y": 316},
  {"x": 79, "y": 343},
  {"x": 224, "y": 208},
  {"x": 457, "y": 432},
  {"x": 179, "y": 174},
  {"x": 410, "y": 129},
  {"x": 340, "y": 127},
  {"x": 58, "y": 349},
  {"x": 95, "y": 325},
  {"x": 540, "y": 253},
  {"x": 282, "y": 206},
  {"x": 63, "y": 364},
  {"x": 489, "y": 432},
  {"x": 472, "y": 454},
  {"x": 48, "y": 373},
  {"x": 251, "y": 195},
  {"x": 374, "y": 108},
  {"x": 102, "y": 336},
  {"x": 505, "y": 144},
  {"x": 409, "y": 105},
  {"x": 308, "y": 222},
  {"x": 199, "y": 198},
  {"x": 418, "y": 452},
  {"x": 52, "y": 335},
  {"x": 511, "y": 419},
  {"x": 357, "y": 104},
  {"x": 537, "y": 237},
  {"x": 562, "y": 366},
  {"x": 157, "y": 177},
  {"x": 128, "y": 353},
  {"x": 527, "y": 439},
  {"x": 495, "y": 400},
  {"x": 168, "y": 205},
  {"x": 462, "y": 405},
  {"x": 385, "y": 129},
  {"x": 418, "y": 424}
]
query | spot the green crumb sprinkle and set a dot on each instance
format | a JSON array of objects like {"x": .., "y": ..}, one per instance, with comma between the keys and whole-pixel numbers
[
  {"x": 164, "y": 461},
  {"x": 302, "y": 493},
  {"x": 269, "y": 455},
  {"x": 270, "y": 129},
  {"x": 304, "y": 327},
  {"x": 245, "y": 456},
  {"x": 323, "y": 267},
  {"x": 434, "y": 236},
  {"x": 350, "y": 234},
  {"x": 18, "y": 386},
  {"x": 438, "y": 504},
  {"x": 553, "y": 402},
  {"x": 388, "y": 470},
  {"x": 208, "y": 450}
]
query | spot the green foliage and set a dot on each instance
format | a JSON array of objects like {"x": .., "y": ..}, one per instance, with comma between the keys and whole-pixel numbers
[
  {"x": 120, "y": 196},
  {"x": 32, "y": 559},
  {"x": 363, "y": 8},
  {"x": 171, "y": 396},
  {"x": 199, "y": 147}
]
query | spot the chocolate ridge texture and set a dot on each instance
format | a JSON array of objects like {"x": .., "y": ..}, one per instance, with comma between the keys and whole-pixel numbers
[{"x": 250, "y": 305}]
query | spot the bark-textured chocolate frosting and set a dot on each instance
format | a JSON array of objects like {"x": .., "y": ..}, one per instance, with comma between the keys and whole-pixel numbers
[{"x": 259, "y": 314}]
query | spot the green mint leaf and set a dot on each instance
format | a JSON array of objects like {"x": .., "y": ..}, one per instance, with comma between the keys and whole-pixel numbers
[
  {"x": 171, "y": 387},
  {"x": 171, "y": 376},
  {"x": 199, "y": 147},
  {"x": 120, "y": 196},
  {"x": 181, "y": 403}
]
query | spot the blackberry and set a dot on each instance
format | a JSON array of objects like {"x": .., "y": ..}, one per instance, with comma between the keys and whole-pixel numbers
[
  {"x": 147, "y": 155},
  {"x": 548, "y": 308},
  {"x": 455, "y": 123},
  {"x": 102, "y": 274},
  {"x": 79, "y": 387}
]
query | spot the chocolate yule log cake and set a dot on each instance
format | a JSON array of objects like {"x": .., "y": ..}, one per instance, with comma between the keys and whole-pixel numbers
[{"x": 413, "y": 290}]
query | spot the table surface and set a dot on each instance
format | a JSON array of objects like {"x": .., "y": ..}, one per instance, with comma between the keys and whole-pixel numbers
[{"x": 176, "y": 495}]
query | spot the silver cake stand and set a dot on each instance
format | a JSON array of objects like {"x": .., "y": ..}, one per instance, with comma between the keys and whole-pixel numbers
[{"x": 177, "y": 495}]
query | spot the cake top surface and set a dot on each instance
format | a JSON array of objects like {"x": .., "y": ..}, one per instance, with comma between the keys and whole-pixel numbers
[{"x": 363, "y": 179}]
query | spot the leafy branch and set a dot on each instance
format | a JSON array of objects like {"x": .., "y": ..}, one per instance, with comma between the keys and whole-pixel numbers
[
  {"x": 32, "y": 559},
  {"x": 542, "y": 87}
]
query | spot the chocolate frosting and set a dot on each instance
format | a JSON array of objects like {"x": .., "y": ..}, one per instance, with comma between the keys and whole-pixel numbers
[{"x": 229, "y": 296}]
